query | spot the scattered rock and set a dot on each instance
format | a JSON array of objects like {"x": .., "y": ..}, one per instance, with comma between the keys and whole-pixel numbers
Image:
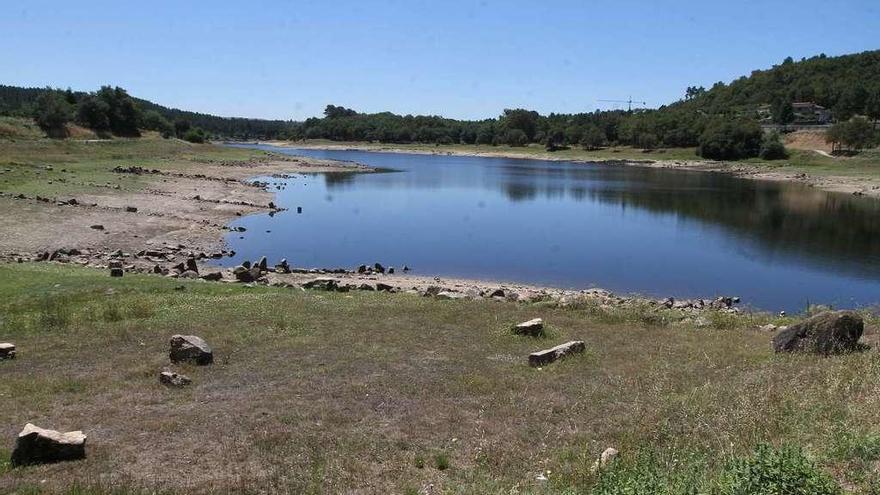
[
  {"x": 321, "y": 283},
  {"x": 366, "y": 286},
  {"x": 97, "y": 227},
  {"x": 547, "y": 356},
  {"x": 534, "y": 328},
  {"x": 245, "y": 274},
  {"x": 131, "y": 209},
  {"x": 7, "y": 351},
  {"x": 173, "y": 379},
  {"x": 830, "y": 332},
  {"x": 190, "y": 348},
  {"x": 35, "y": 445},
  {"x": 213, "y": 276},
  {"x": 384, "y": 287}
]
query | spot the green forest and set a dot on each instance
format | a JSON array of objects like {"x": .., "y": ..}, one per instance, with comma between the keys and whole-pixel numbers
[{"x": 722, "y": 122}]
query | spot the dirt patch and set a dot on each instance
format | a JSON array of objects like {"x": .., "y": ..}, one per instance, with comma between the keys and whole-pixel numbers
[{"x": 807, "y": 140}]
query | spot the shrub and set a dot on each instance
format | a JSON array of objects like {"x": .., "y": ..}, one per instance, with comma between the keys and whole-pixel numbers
[
  {"x": 195, "y": 135},
  {"x": 772, "y": 471},
  {"x": 772, "y": 148},
  {"x": 730, "y": 140}
]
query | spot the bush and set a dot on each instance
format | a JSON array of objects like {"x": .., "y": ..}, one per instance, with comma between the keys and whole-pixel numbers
[
  {"x": 730, "y": 140},
  {"x": 772, "y": 148},
  {"x": 52, "y": 114},
  {"x": 195, "y": 135},
  {"x": 772, "y": 471}
]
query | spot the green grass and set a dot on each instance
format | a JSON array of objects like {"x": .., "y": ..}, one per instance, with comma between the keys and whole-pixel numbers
[
  {"x": 326, "y": 392},
  {"x": 62, "y": 168}
]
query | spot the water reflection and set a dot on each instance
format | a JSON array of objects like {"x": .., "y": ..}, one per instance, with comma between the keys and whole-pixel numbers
[{"x": 627, "y": 228}]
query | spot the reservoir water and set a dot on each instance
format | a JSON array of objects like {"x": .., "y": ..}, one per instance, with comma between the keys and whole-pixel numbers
[{"x": 656, "y": 232}]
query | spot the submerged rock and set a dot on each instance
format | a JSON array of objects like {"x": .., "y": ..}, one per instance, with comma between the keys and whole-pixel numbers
[
  {"x": 36, "y": 445},
  {"x": 830, "y": 332}
]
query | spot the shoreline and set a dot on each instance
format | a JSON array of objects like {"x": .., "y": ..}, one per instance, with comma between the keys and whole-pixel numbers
[{"x": 859, "y": 186}]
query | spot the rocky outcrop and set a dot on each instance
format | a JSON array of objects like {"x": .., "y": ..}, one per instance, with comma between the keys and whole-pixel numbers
[
  {"x": 830, "y": 332},
  {"x": 191, "y": 349},
  {"x": 547, "y": 356},
  {"x": 36, "y": 445}
]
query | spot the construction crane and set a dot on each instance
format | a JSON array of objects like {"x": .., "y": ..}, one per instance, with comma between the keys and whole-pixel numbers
[{"x": 629, "y": 102}]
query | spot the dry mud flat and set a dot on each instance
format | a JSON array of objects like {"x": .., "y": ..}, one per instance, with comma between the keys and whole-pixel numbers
[{"x": 176, "y": 208}]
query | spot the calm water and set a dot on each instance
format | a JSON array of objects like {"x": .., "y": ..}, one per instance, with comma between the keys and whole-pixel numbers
[{"x": 627, "y": 229}]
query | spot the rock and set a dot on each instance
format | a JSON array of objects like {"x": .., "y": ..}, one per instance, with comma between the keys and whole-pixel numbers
[
  {"x": 97, "y": 227},
  {"x": 366, "y": 286},
  {"x": 190, "y": 348},
  {"x": 192, "y": 266},
  {"x": 321, "y": 283},
  {"x": 131, "y": 209},
  {"x": 405, "y": 268},
  {"x": 384, "y": 287},
  {"x": 497, "y": 293},
  {"x": 605, "y": 459},
  {"x": 35, "y": 445},
  {"x": 830, "y": 332},
  {"x": 246, "y": 264},
  {"x": 534, "y": 328},
  {"x": 114, "y": 264},
  {"x": 117, "y": 272},
  {"x": 173, "y": 379},
  {"x": 432, "y": 291},
  {"x": 7, "y": 351},
  {"x": 282, "y": 267},
  {"x": 245, "y": 274},
  {"x": 263, "y": 264},
  {"x": 379, "y": 268},
  {"x": 189, "y": 274},
  {"x": 768, "y": 327},
  {"x": 547, "y": 356},
  {"x": 390, "y": 270},
  {"x": 157, "y": 269},
  {"x": 213, "y": 276},
  {"x": 362, "y": 269}
]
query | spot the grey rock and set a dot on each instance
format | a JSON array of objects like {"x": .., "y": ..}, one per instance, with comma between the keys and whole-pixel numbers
[
  {"x": 830, "y": 332},
  {"x": 173, "y": 379},
  {"x": 547, "y": 356},
  {"x": 189, "y": 274},
  {"x": 213, "y": 276},
  {"x": 190, "y": 348},
  {"x": 36, "y": 445},
  {"x": 534, "y": 328},
  {"x": 384, "y": 287},
  {"x": 321, "y": 283},
  {"x": 7, "y": 351},
  {"x": 192, "y": 266}
]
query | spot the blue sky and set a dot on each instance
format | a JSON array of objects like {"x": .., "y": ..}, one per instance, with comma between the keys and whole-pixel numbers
[{"x": 462, "y": 59}]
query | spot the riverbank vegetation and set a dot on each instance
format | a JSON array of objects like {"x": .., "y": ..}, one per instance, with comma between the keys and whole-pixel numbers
[{"x": 299, "y": 401}]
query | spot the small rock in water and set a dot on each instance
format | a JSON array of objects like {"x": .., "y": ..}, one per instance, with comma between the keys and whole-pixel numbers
[
  {"x": 36, "y": 445},
  {"x": 190, "y": 348},
  {"x": 7, "y": 351},
  {"x": 173, "y": 379},
  {"x": 533, "y": 328}
]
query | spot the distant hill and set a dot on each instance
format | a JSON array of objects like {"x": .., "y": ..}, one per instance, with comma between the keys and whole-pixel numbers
[{"x": 19, "y": 102}]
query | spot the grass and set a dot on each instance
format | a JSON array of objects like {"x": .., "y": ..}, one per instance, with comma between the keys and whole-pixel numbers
[
  {"x": 61, "y": 168},
  {"x": 315, "y": 392}
]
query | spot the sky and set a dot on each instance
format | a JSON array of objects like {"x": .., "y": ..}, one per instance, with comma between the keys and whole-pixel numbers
[{"x": 461, "y": 59}]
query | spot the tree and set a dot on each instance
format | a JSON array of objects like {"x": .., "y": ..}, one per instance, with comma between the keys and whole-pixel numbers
[
  {"x": 730, "y": 140},
  {"x": 782, "y": 111},
  {"x": 515, "y": 137},
  {"x": 124, "y": 114},
  {"x": 181, "y": 126},
  {"x": 856, "y": 134},
  {"x": 52, "y": 113},
  {"x": 647, "y": 141},
  {"x": 772, "y": 147},
  {"x": 93, "y": 113},
  {"x": 523, "y": 120},
  {"x": 154, "y": 121},
  {"x": 592, "y": 138}
]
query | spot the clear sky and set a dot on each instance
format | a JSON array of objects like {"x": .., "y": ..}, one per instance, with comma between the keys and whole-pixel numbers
[{"x": 462, "y": 59}]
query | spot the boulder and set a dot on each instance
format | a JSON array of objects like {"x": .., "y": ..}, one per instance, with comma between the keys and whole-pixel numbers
[
  {"x": 830, "y": 332},
  {"x": 191, "y": 265},
  {"x": 432, "y": 290},
  {"x": 97, "y": 227},
  {"x": 213, "y": 276},
  {"x": 534, "y": 328},
  {"x": 282, "y": 267},
  {"x": 497, "y": 293},
  {"x": 384, "y": 287},
  {"x": 7, "y": 351},
  {"x": 362, "y": 269},
  {"x": 173, "y": 379},
  {"x": 263, "y": 264},
  {"x": 390, "y": 270},
  {"x": 35, "y": 445},
  {"x": 190, "y": 348},
  {"x": 246, "y": 274},
  {"x": 379, "y": 268},
  {"x": 547, "y": 356},
  {"x": 116, "y": 272}
]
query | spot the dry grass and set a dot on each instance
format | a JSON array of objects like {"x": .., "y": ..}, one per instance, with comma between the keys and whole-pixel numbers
[{"x": 370, "y": 393}]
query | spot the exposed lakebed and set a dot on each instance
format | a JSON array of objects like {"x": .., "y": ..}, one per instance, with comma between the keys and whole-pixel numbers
[{"x": 629, "y": 229}]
